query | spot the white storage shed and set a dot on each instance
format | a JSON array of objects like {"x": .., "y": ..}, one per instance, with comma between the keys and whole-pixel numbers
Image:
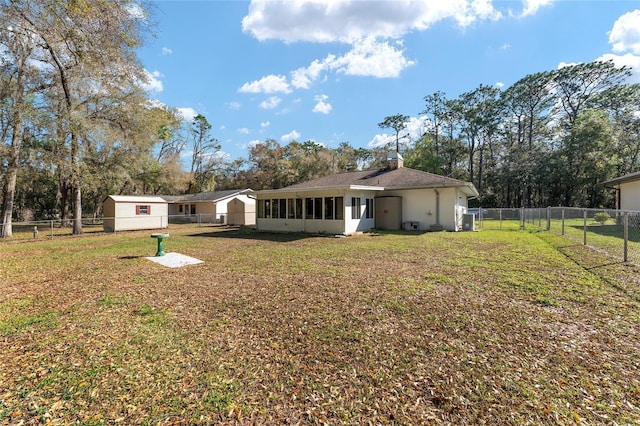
[{"x": 131, "y": 212}]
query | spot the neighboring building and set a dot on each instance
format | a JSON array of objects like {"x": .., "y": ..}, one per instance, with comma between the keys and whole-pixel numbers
[
  {"x": 233, "y": 207},
  {"x": 627, "y": 191},
  {"x": 392, "y": 198},
  {"x": 130, "y": 212}
]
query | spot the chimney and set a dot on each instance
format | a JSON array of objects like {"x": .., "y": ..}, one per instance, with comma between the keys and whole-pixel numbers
[{"x": 395, "y": 160}]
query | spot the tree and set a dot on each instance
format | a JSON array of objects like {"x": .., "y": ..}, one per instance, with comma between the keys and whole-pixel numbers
[
  {"x": 18, "y": 79},
  {"x": 576, "y": 86},
  {"x": 396, "y": 122},
  {"x": 203, "y": 157},
  {"x": 88, "y": 47},
  {"x": 436, "y": 110},
  {"x": 589, "y": 156},
  {"x": 479, "y": 113}
]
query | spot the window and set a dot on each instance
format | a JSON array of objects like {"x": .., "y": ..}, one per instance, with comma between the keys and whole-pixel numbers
[
  {"x": 339, "y": 208},
  {"x": 328, "y": 208},
  {"x": 261, "y": 209},
  {"x": 180, "y": 208},
  {"x": 193, "y": 209},
  {"x": 317, "y": 208},
  {"x": 368, "y": 210},
  {"x": 298, "y": 208},
  {"x": 283, "y": 208},
  {"x": 291, "y": 208},
  {"x": 308, "y": 204},
  {"x": 143, "y": 210},
  {"x": 355, "y": 208},
  {"x": 267, "y": 209},
  {"x": 275, "y": 209}
]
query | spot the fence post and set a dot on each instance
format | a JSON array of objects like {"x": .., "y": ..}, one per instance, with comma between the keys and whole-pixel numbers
[
  {"x": 52, "y": 229},
  {"x": 549, "y": 218},
  {"x": 585, "y": 228},
  {"x": 626, "y": 235},
  {"x": 562, "y": 233},
  {"x": 522, "y": 219},
  {"x": 500, "y": 215}
]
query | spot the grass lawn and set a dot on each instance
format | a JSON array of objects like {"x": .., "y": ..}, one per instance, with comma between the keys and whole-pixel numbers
[{"x": 497, "y": 327}]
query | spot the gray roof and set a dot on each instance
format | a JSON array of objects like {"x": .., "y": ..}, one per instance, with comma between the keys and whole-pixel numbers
[
  {"x": 206, "y": 196},
  {"x": 622, "y": 179},
  {"x": 384, "y": 179}
]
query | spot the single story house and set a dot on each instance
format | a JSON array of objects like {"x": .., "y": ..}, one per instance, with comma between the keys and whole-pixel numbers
[
  {"x": 392, "y": 198},
  {"x": 232, "y": 207},
  {"x": 627, "y": 191},
  {"x": 130, "y": 212}
]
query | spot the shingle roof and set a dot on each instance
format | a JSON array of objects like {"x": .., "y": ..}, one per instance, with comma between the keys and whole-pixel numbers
[
  {"x": 389, "y": 179},
  {"x": 206, "y": 196},
  {"x": 632, "y": 177}
]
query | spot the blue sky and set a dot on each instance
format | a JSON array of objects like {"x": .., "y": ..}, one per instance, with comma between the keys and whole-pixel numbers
[{"x": 330, "y": 70}]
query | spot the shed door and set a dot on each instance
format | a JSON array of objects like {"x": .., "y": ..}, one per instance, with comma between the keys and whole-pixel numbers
[
  {"x": 235, "y": 210},
  {"x": 388, "y": 213}
]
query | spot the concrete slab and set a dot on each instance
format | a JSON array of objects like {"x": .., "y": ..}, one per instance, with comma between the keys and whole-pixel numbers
[{"x": 174, "y": 260}]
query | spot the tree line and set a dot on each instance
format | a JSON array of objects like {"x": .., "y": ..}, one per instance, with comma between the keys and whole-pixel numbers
[{"x": 77, "y": 125}]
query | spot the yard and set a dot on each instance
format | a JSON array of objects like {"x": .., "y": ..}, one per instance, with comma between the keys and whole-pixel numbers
[{"x": 497, "y": 327}]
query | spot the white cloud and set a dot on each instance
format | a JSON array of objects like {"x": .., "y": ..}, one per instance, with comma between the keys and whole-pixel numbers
[
  {"x": 265, "y": 124},
  {"x": 322, "y": 106},
  {"x": 253, "y": 143},
  {"x": 268, "y": 84},
  {"x": 531, "y": 7},
  {"x": 234, "y": 105},
  {"x": 628, "y": 60},
  {"x": 302, "y": 77},
  {"x": 290, "y": 136},
  {"x": 270, "y": 103},
  {"x": 499, "y": 84},
  {"x": 415, "y": 128},
  {"x": 187, "y": 114},
  {"x": 136, "y": 11},
  {"x": 166, "y": 51},
  {"x": 625, "y": 34},
  {"x": 349, "y": 20},
  {"x": 370, "y": 57},
  {"x": 153, "y": 82},
  {"x": 243, "y": 130},
  {"x": 381, "y": 140}
]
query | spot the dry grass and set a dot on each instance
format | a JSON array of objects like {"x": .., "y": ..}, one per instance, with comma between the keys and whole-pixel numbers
[{"x": 439, "y": 328}]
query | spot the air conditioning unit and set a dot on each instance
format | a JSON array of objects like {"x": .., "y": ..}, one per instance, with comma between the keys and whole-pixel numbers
[
  {"x": 468, "y": 222},
  {"x": 411, "y": 226}
]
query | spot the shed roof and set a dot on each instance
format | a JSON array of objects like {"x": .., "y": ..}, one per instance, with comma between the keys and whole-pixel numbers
[
  {"x": 213, "y": 196},
  {"x": 383, "y": 179},
  {"x": 137, "y": 199}
]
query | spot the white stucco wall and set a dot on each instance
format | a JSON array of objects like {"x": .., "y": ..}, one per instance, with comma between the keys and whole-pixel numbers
[
  {"x": 630, "y": 196},
  {"x": 420, "y": 205}
]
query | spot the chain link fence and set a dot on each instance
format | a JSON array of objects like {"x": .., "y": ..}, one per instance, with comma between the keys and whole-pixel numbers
[
  {"x": 54, "y": 228},
  {"x": 614, "y": 232}
]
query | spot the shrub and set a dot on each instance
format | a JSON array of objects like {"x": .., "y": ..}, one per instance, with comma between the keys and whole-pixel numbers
[{"x": 601, "y": 217}]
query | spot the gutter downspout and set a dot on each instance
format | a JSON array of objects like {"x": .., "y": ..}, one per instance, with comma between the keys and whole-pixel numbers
[{"x": 437, "y": 206}]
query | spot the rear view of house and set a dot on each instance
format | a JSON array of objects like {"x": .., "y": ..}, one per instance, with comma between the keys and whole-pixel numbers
[{"x": 130, "y": 212}]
